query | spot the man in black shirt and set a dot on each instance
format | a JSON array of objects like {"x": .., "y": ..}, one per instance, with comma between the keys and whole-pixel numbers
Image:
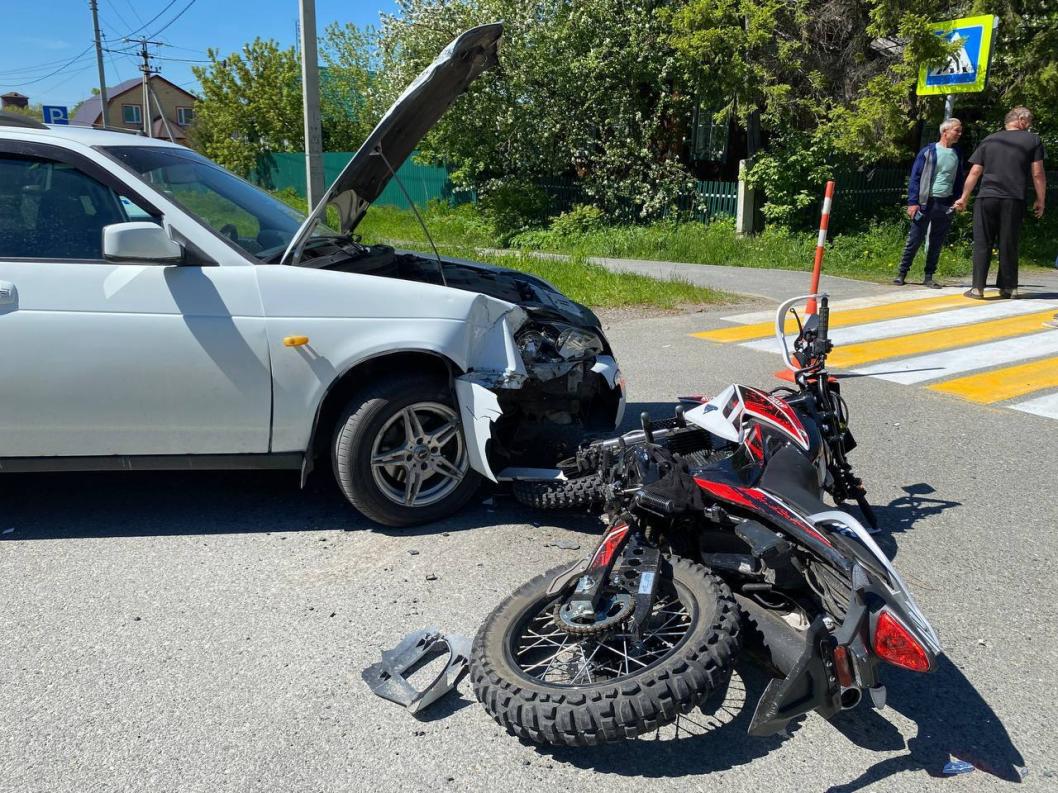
[{"x": 1003, "y": 164}]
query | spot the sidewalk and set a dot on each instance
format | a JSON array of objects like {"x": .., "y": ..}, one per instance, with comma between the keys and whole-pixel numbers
[{"x": 774, "y": 285}]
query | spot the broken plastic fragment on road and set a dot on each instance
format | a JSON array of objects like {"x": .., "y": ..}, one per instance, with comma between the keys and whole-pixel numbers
[
  {"x": 953, "y": 767},
  {"x": 390, "y": 678}
]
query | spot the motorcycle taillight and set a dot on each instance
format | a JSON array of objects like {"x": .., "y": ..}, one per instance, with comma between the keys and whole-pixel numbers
[{"x": 894, "y": 643}]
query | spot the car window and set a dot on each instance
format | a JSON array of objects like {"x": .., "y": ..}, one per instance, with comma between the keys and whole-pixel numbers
[
  {"x": 52, "y": 210},
  {"x": 246, "y": 215}
]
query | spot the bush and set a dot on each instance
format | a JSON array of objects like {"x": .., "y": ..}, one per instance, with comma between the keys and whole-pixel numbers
[
  {"x": 583, "y": 218},
  {"x": 513, "y": 208}
]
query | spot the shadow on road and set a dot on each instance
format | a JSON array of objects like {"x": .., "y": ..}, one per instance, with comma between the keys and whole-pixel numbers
[
  {"x": 953, "y": 721},
  {"x": 901, "y": 514},
  {"x": 141, "y": 503}
]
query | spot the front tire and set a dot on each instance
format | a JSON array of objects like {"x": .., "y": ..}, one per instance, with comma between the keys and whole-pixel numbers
[
  {"x": 603, "y": 688},
  {"x": 399, "y": 454}
]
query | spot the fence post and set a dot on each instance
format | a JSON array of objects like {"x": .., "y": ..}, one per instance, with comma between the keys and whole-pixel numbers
[{"x": 746, "y": 202}]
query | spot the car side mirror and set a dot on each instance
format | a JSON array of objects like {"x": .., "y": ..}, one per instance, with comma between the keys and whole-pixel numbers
[{"x": 140, "y": 241}]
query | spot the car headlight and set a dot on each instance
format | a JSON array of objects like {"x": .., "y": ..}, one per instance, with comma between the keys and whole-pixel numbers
[
  {"x": 557, "y": 343},
  {"x": 574, "y": 344},
  {"x": 531, "y": 344}
]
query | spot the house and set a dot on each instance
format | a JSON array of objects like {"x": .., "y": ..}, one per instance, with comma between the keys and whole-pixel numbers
[
  {"x": 13, "y": 99},
  {"x": 125, "y": 109}
]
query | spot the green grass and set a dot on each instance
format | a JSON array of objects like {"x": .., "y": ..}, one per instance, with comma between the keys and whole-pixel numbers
[
  {"x": 597, "y": 287},
  {"x": 871, "y": 254},
  {"x": 458, "y": 232}
]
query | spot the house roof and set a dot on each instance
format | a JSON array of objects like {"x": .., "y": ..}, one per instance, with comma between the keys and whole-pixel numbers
[
  {"x": 91, "y": 108},
  {"x": 14, "y": 95},
  {"x": 158, "y": 130}
]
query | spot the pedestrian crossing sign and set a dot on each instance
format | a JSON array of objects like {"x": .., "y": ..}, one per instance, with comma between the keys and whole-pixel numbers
[{"x": 966, "y": 70}]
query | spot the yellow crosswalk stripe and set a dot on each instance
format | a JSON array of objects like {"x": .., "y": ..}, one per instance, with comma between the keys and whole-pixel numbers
[
  {"x": 849, "y": 355},
  {"x": 1000, "y": 384},
  {"x": 843, "y": 318}
]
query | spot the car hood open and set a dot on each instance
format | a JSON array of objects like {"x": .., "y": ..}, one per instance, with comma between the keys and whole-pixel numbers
[{"x": 403, "y": 126}]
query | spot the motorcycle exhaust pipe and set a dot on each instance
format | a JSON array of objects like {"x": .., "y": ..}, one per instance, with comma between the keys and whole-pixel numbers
[{"x": 850, "y": 698}]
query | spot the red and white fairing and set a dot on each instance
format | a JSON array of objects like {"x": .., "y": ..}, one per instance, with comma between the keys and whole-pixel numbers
[{"x": 726, "y": 415}]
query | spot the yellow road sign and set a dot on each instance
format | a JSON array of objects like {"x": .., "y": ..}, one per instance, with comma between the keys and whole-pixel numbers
[{"x": 966, "y": 70}]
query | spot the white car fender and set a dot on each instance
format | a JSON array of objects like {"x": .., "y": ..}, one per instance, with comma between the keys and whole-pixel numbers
[{"x": 350, "y": 318}]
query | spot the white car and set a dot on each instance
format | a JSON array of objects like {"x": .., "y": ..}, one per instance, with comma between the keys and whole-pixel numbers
[{"x": 158, "y": 312}]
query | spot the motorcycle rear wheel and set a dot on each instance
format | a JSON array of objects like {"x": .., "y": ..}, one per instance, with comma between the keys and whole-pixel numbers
[
  {"x": 549, "y": 686},
  {"x": 582, "y": 492}
]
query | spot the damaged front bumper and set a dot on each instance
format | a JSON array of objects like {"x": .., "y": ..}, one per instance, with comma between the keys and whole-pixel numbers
[{"x": 516, "y": 412}]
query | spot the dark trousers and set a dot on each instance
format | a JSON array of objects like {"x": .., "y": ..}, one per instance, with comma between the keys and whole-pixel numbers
[
  {"x": 936, "y": 218},
  {"x": 997, "y": 220}
]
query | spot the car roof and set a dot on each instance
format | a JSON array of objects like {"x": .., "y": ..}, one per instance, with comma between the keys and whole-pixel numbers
[{"x": 87, "y": 136}]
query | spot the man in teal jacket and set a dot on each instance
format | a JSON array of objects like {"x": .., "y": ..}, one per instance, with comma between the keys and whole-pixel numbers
[{"x": 936, "y": 181}]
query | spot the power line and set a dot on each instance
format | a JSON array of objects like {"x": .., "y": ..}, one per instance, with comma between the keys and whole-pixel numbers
[
  {"x": 179, "y": 60},
  {"x": 32, "y": 68},
  {"x": 134, "y": 11},
  {"x": 121, "y": 19},
  {"x": 151, "y": 21},
  {"x": 69, "y": 76},
  {"x": 171, "y": 21},
  {"x": 70, "y": 62}
]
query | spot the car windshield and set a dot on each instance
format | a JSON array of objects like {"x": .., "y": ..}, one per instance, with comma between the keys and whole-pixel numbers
[{"x": 246, "y": 215}]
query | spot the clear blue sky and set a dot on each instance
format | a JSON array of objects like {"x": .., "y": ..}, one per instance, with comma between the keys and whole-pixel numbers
[{"x": 45, "y": 35}]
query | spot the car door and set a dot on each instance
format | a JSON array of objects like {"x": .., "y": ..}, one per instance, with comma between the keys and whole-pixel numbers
[{"x": 117, "y": 358}]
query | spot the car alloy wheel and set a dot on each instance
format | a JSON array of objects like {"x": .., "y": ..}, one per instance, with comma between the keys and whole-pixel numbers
[{"x": 418, "y": 457}]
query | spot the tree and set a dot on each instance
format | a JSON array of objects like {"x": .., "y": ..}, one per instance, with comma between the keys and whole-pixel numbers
[
  {"x": 34, "y": 111},
  {"x": 1024, "y": 68},
  {"x": 250, "y": 105},
  {"x": 831, "y": 80},
  {"x": 349, "y": 103},
  {"x": 584, "y": 88}
]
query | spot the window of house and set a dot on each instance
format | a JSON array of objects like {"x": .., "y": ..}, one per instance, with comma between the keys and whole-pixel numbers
[
  {"x": 131, "y": 114},
  {"x": 184, "y": 116},
  {"x": 709, "y": 138}
]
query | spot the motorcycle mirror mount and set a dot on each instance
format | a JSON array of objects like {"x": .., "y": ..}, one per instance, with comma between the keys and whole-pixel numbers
[{"x": 780, "y": 328}]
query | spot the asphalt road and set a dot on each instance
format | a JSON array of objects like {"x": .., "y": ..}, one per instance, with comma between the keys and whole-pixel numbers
[{"x": 206, "y": 632}]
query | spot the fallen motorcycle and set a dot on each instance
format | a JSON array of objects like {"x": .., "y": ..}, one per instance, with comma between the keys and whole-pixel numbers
[{"x": 718, "y": 536}]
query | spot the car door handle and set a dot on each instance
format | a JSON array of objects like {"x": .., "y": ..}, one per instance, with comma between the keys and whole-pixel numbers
[{"x": 8, "y": 293}]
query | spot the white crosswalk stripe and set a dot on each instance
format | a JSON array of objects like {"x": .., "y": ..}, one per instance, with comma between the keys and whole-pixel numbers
[
  {"x": 1046, "y": 406},
  {"x": 996, "y": 351},
  {"x": 844, "y": 305},
  {"x": 902, "y": 327},
  {"x": 965, "y": 359}
]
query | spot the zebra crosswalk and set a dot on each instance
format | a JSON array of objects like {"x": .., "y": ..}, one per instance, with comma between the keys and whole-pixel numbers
[{"x": 989, "y": 352}]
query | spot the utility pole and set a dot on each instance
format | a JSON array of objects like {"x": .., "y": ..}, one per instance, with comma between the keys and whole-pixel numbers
[
  {"x": 310, "y": 86},
  {"x": 92, "y": 4},
  {"x": 145, "y": 67}
]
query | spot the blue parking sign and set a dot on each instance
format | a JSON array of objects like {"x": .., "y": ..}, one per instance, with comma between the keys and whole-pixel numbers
[
  {"x": 966, "y": 69},
  {"x": 56, "y": 114}
]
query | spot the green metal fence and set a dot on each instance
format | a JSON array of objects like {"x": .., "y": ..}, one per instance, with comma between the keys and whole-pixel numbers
[
  {"x": 719, "y": 198},
  {"x": 424, "y": 183},
  {"x": 871, "y": 189},
  {"x": 858, "y": 192}
]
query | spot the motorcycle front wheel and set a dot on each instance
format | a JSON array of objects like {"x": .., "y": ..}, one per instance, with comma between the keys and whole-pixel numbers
[{"x": 546, "y": 684}]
